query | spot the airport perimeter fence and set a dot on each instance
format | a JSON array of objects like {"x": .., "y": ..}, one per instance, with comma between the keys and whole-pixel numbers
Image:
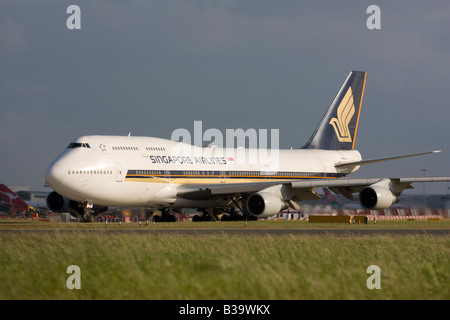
[{"x": 387, "y": 214}]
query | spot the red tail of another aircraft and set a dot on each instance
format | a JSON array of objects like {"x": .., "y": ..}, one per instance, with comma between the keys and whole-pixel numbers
[{"x": 12, "y": 200}]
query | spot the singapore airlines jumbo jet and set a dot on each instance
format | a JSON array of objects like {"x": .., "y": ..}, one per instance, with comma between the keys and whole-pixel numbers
[{"x": 95, "y": 172}]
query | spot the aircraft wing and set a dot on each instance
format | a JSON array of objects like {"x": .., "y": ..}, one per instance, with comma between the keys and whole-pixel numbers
[
  {"x": 211, "y": 191},
  {"x": 363, "y": 162},
  {"x": 347, "y": 187},
  {"x": 301, "y": 190},
  {"x": 305, "y": 188}
]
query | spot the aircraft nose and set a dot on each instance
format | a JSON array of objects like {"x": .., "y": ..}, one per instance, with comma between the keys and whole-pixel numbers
[{"x": 53, "y": 175}]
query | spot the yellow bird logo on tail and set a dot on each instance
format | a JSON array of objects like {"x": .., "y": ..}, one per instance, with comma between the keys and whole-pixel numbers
[{"x": 344, "y": 114}]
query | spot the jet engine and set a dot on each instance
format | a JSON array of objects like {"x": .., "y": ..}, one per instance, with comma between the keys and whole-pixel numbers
[
  {"x": 57, "y": 203},
  {"x": 376, "y": 197},
  {"x": 264, "y": 204}
]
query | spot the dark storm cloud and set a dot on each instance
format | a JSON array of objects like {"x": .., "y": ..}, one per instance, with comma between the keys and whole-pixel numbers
[{"x": 151, "y": 67}]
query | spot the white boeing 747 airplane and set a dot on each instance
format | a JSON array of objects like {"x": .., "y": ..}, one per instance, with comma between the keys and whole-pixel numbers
[{"x": 95, "y": 172}]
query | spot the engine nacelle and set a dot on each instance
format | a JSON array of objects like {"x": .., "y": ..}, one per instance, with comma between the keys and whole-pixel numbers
[
  {"x": 57, "y": 203},
  {"x": 376, "y": 197},
  {"x": 264, "y": 204}
]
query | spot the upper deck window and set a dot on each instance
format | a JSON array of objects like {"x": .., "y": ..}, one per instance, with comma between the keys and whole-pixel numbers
[{"x": 78, "y": 145}]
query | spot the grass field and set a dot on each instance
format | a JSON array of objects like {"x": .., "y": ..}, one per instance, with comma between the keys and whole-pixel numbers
[
  {"x": 155, "y": 266},
  {"x": 260, "y": 224}
]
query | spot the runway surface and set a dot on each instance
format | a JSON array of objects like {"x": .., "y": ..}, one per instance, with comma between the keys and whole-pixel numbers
[{"x": 244, "y": 231}]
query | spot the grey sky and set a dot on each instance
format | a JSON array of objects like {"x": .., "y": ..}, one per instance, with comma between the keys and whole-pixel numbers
[{"x": 150, "y": 67}]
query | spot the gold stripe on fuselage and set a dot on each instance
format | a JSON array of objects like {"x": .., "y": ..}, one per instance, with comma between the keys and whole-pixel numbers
[{"x": 216, "y": 179}]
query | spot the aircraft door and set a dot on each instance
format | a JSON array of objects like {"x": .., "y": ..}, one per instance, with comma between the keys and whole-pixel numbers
[
  {"x": 166, "y": 174},
  {"x": 119, "y": 175},
  {"x": 143, "y": 150},
  {"x": 222, "y": 177}
]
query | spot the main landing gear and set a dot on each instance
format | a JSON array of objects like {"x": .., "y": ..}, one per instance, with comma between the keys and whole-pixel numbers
[
  {"x": 163, "y": 215},
  {"x": 222, "y": 214}
]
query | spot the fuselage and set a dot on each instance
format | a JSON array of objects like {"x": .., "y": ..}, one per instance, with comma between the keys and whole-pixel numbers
[{"x": 145, "y": 171}]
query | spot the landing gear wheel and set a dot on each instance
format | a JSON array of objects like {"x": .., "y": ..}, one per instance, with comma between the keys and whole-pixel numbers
[{"x": 165, "y": 216}]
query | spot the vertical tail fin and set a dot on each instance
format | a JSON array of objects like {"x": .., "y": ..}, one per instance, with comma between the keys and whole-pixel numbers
[
  {"x": 332, "y": 199},
  {"x": 337, "y": 129},
  {"x": 10, "y": 199}
]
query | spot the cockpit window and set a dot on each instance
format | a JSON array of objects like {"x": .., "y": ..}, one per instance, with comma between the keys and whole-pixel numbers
[{"x": 74, "y": 145}]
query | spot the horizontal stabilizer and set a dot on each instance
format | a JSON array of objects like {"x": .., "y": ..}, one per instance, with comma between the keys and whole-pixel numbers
[{"x": 363, "y": 162}]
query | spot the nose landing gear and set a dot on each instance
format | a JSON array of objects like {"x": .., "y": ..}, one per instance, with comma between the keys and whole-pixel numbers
[{"x": 85, "y": 210}]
